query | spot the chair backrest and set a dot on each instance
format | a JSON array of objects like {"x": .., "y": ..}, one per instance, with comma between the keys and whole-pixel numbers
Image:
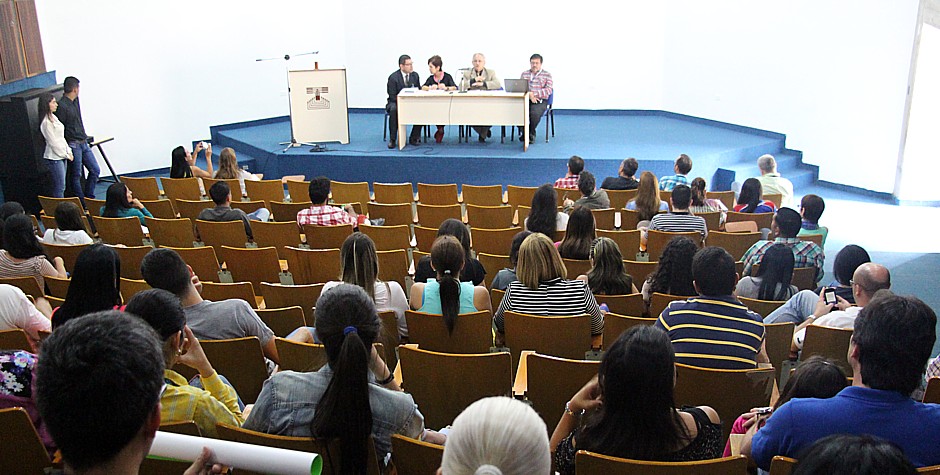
[
  {"x": 241, "y": 361},
  {"x": 437, "y": 194},
  {"x": 57, "y": 287},
  {"x": 15, "y": 339},
  {"x": 393, "y": 266},
  {"x": 540, "y": 334},
  {"x": 712, "y": 219},
  {"x": 54, "y": 302},
  {"x": 21, "y": 449},
  {"x": 604, "y": 218},
  {"x": 566, "y": 193},
  {"x": 94, "y": 209},
  {"x": 234, "y": 186},
  {"x": 393, "y": 213},
  {"x": 814, "y": 238},
  {"x": 255, "y": 265},
  {"x": 312, "y": 266},
  {"x": 628, "y": 240},
  {"x": 932, "y": 393},
  {"x": 144, "y": 188},
  {"x": 629, "y": 219},
  {"x": 639, "y": 270},
  {"x": 522, "y": 213},
  {"x": 493, "y": 241},
  {"x": 763, "y": 220},
  {"x": 520, "y": 196},
  {"x": 472, "y": 332},
  {"x": 282, "y": 321},
  {"x": 431, "y": 216},
  {"x": 276, "y": 234},
  {"x": 49, "y": 204},
  {"x": 761, "y": 307},
  {"x": 68, "y": 253},
  {"x": 659, "y": 302},
  {"x": 590, "y": 463},
  {"x": 326, "y": 237},
  {"x": 619, "y": 198},
  {"x": 29, "y": 285},
  {"x": 265, "y": 190},
  {"x": 626, "y": 305},
  {"x": 215, "y": 292},
  {"x": 171, "y": 232},
  {"x": 424, "y": 237},
  {"x": 48, "y": 222},
  {"x": 203, "y": 260},
  {"x": 735, "y": 243},
  {"x": 412, "y": 456},
  {"x": 131, "y": 287},
  {"x": 552, "y": 381},
  {"x": 496, "y": 298},
  {"x": 657, "y": 241},
  {"x": 485, "y": 195},
  {"x": 299, "y": 356},
  {"x": 494, "y": 263},
  {"x": 388, "y": 238},
  {"x": 726, "y": 197},
  {"x": 777, "y": 340},
  {"x": 344, "y": 192},
  {"x": 804, "y": 278},
  {"x": 160, "y": 208},
  {"x": 443, "y": 385},
  {"x": 490, "y": 217},
  {"x": 124, "y": 231},
  {"x": 249, "y": 206},
  {"x": 284, "y": 211},
  {"x": 775, "y": 198},
  {"x": 833, "y": 343},
  {"x": 181, "y": 189},
  {"x": 191, "y": 208},
  {"x": 222, "y": 233},
  {"x": 615, "y": 324},
  {"x": 576, "y": 267},
  {"x": 299, "y": 190},
  {"x": 160, "y": 466},
  {"x": 303, "y": 296},
  {"x": 780, "y": 465},
  {"x": 393, "y": 193},
  {"x": 667, "y": 197}
]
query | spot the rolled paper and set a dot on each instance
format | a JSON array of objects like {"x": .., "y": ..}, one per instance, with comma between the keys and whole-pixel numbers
[{"x": 257, "y": 458}]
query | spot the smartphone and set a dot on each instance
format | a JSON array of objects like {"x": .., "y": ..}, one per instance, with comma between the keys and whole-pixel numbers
[
  {"x": 763, "y": 410},
  {"x": 829, "y": 295}
]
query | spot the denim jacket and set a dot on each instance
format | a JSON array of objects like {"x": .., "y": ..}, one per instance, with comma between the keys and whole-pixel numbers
[{"x": 289, "y": 400}]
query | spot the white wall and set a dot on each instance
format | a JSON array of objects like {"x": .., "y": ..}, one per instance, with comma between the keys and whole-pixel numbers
[{"x": 830, "y": 75}]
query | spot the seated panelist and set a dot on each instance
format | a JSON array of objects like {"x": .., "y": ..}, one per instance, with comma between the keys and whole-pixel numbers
[
  {"x": 481, "y": 78},
  {"x": 438, "y": 81}
]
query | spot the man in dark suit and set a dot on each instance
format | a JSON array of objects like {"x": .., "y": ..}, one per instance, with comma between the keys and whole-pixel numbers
[{"x": 404, "y": 77}]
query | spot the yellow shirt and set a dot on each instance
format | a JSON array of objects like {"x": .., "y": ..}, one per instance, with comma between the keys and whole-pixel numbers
[{"x": 181, "y": 402}]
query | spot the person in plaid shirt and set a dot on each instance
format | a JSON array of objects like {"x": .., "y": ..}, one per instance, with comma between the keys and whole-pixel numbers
[
  {"x": 570, "y": 180},
  {"x": 682, "y": 168},
  {"x": 785, "y": 226},
  {"x": 322, "y": 214},
  {"x": 540, "y": 88}
]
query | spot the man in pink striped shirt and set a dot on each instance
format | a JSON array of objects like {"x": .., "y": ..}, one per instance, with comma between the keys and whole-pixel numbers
[{"x": 540, "y": 89}]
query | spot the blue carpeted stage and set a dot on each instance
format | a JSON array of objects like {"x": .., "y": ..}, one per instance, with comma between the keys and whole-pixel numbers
[{"x": 720, "y": 152}]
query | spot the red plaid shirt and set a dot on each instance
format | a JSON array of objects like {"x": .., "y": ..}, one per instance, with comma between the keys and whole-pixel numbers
[
  {"x": 324, "y": 215},
  {"x": 568, "y": 181}
]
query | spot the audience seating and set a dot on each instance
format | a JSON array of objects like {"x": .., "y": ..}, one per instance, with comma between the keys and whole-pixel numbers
[
  {"x": 222, "y": 233},
  {"x": 473, "y": 332},
  {"x": 394, "y": 214},
  {"x": 520, "y": 196},
  {"x": 932, "y": 393},
  {"x": 255, "y": 265},
  {"x": 496, "y": 298},
  {"x": 726, "y": 197},
  {"x": 162, "y": 209},
  {"x": 393, "y": 266},
  {"x": 615, "y": 324},
  {"x": 657, "y": 241},
  {"x": 327, "y": 237},
  {"x": 777, "y": 340},
  {"x": 282, "y": 321},
  {"x": 577, "y": 267},
  {"x": 298, "y": 190},
  {"x": 763, "y": 220},
  {"x": 488, "y": 195},
  {"x": 266, "y": 190},
  {"x": 160, "y": 466},
  {"x": 628, "y": 241},
  {"x": 553, "y": 381},
  {"x": 541, "y": 334},
  {"x": 276, "y": 234},
  {"x": 234, "y": 186},
  {"x": 29, "y": 285},
  {"x": 712, "y": 219},
  {"x": 68, "y": 252},
  {"x": 522, "y": 213},
  {"x": 388, "y": 338},
  {"x": 629, "y": 219},
  {"x": 780, "y": 465},
  {"x": 181, "y": 189},
  {"x": 590, "y": 463},
  {"x": 761, "y": 307},
  {"x": 299, "y": 356},
  {"x": 284, "y": 211},
  {"x": 415, "y": 457},
  {"x": 804, "y": 278},
  {"x": 735, "y": 243},
  {"x": 14, "y": 339},
  {"x": 343, "y": 192},
  {"x": 249, "y": 206},
  {"x": 741, "y": 227},
  {"x": 626, "y": 305},
  {"x": 303, "y": 296},
  {"x": 832, "y": 343},
  {"x": 659, "y": 302},
  {"x": 639, "y": 270},
  {"x": 130, "y": 287},
  {"x": 54, "y": 302},
  {"x": 124, "y": 231},
  {"x": 131, "y": 257},
  {"x": 566, "y": 193},
  {"x": 425, "y": 237},
  {"x": 730, "y": 392},
  {"x": 493, "y": 263},
  {"x": 216, "y": 292},
  {"x": 814, "y": 238},
  {"x": 241, "y": 361},
  {"x": 144, "y": 188},
  {"x": 313, "y": 266},
  {"x": 57, "y": 287},
  {"x": 931, "y": 470},
  {"x": 437, "y": 194},
  {"x": 443, "y": 384},
  {"x": 619, "y": 198},
  {"x": 667, "y": 197},
  {"x": 393, "y": 193},
  {"x": 203, "y": 260},
  {"x": 493, "y": 241},
  {"x": 191, "y": 208},
  {"x": 775, "y": 198},
  {"x": 21, "y": 450},
  {"x": 431, "y": 216},
  {"x": 48, "y": 222},
  {"x": 94, "y": 209},
  {"x": 388, "y": 238},
  {"x": 171, "y": 232},
  {"x": 49, "y": 204},
  {"x": 489, "y": 217},
  {"x": 604, "y": 218}
]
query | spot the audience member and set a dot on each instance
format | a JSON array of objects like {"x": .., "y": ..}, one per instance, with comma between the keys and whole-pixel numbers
[
  {"x": 95, "y": 284},
  {"x": 889, "y": 349},
  {"x": 104, "y": 367},
  {"x": 673, "y": 273},
  {"x": 228, "y": 170},
  {"x": 359, "y": 265},
  {"x": 322, "y": 214},
  {"x": 750, "y": 198},
  {"x": 17, "y": 312},
  {"x": 771, "y": 181},
  {"x": 590, "y": 197},
  {"x": 679, "y": 220},
  {"x": 69, "y": 227},
  {"x": 69, "y": 112},
  {"x": 7, "y": 209},
  {"x": 506, "y": 276},
  {"x": 847, "y": 260},
  {"x": 472, "y": 271},
  {"x": 22, "y": 255},
  {"x": 540, "y": 91},
  {"x": 701, "y": 204},
  {"x": 624, "y": 179},
  {"x": 844, "y": 454},
  {"x": 120, "y": 203},
  {"x": 579, "y": 236},
  {"x": 714, "y": 330},
  {"x": 682, "y": 168},
  {"x": 570, "y": 180},
  {"x": 344, "y": 399},
  {"x": 811, "y": 209},
  {"x": 233, "y": 318},
  {"x": 18, "y": 368},
  {"x": 497, "y": 435},
  {"x": 404, "y": 77},
  {"x": 221, "y": 195},
  {"x": 183, "y": 163},
  {"x": 180, "y": 401},
  {"x": 607, "y": 276},
  {"x": 57, "y": 150},
  {"x": 629, "y": 409},
  {"x": 543, "y": 290},
  {"x": 772, "y": 281},
  {"x": 784, "y": 227},
  {"x": 544, "y": 216},
  {"x": 647, "y": 202},
  {"x": 446, "y": 295},
  {"x": 481, "y": 78}
]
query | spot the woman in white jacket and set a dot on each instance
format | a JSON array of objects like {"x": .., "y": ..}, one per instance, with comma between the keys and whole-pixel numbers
[{"x": 57, "y": 149}]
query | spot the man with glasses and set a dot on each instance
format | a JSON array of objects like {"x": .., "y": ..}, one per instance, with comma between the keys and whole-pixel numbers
[{"x": 404, "y": 77}]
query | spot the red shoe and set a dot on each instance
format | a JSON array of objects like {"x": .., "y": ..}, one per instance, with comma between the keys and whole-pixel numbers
[{"x": 439, "y": 135}]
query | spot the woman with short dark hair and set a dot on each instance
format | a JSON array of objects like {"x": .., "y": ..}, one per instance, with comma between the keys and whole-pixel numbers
[{"x": 438, "y": 81}]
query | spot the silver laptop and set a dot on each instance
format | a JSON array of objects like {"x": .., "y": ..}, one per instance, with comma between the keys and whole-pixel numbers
[{"x": 516, "y": 85}]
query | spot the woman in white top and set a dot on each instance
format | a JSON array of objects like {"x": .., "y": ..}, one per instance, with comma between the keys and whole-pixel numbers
[
  {"x": 228, "y": 169},
  {"x": 70, "y": 229},
  {"x": 57, "y": 149}
]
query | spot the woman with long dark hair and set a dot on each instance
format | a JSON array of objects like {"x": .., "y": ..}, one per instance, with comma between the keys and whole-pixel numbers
[
  {"x": 750, "y": 198},
  {"x": 579, "y": 236},
  {"x": 22, "y": 254},
  {"x": 629, "y": 409},
  {"x": 647, "y": 202},
  {"x": 95, "y": 284},
  {"x": 607, "y": 276},
  {"x": 345, "y": 399},
  {"x": 69, "y": 227},
  {"x": 448, "y": 296},
  {"x": 183, "y": 163},
  {"x": 473, "y": 270},
  {"x": 847, "y": 260},
  {"x": 772, "y": 281},
  {"x": 544, "y": 216},
  {"x": 673, "y": 274},
  {"x": 57, "y": 149},
  {"x": 701, "y": 204},
  {"x": 120, "y": 203}
]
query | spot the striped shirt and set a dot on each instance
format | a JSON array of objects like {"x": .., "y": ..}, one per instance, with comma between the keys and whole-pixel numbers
[
  {"x": 35, "y": 267},
  {"x": 554, "y": 298},
  {"x": 713, "y": 332},
  {"x": 805, "y": 254},
  {"x": 540, "y": 83},
  {"x": 679, "y": 223}
]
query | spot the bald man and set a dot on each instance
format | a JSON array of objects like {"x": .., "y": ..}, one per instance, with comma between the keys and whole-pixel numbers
[{"x": 481, "y": 78}]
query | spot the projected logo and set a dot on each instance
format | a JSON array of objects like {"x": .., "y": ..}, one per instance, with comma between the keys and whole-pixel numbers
[{"x": 318, "y": 102}]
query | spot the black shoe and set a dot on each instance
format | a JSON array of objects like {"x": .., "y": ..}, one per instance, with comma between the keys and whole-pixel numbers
[
  {"x": 489, "y": 133},
  {"x": 391, "y": 144},
  {"x": 482, "y": 139},
  {"x": 415, "y": 142}
]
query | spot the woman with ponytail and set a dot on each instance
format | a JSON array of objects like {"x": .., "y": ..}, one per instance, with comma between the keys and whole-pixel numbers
[
  {"x": 447, "y": 295},
  {"x": 347, "y": 399}
]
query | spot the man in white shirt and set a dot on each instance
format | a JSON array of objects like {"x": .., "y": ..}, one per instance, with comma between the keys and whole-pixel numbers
[{"x": 771, "y": 182}]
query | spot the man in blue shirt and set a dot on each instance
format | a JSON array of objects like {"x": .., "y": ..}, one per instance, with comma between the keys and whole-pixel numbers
[
  {"x": 682, "y": 168},
  {"x": 888, "y": 352}
]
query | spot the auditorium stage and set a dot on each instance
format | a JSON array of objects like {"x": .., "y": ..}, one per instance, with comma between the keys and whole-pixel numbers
[{"x": 720, "y": 152}]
